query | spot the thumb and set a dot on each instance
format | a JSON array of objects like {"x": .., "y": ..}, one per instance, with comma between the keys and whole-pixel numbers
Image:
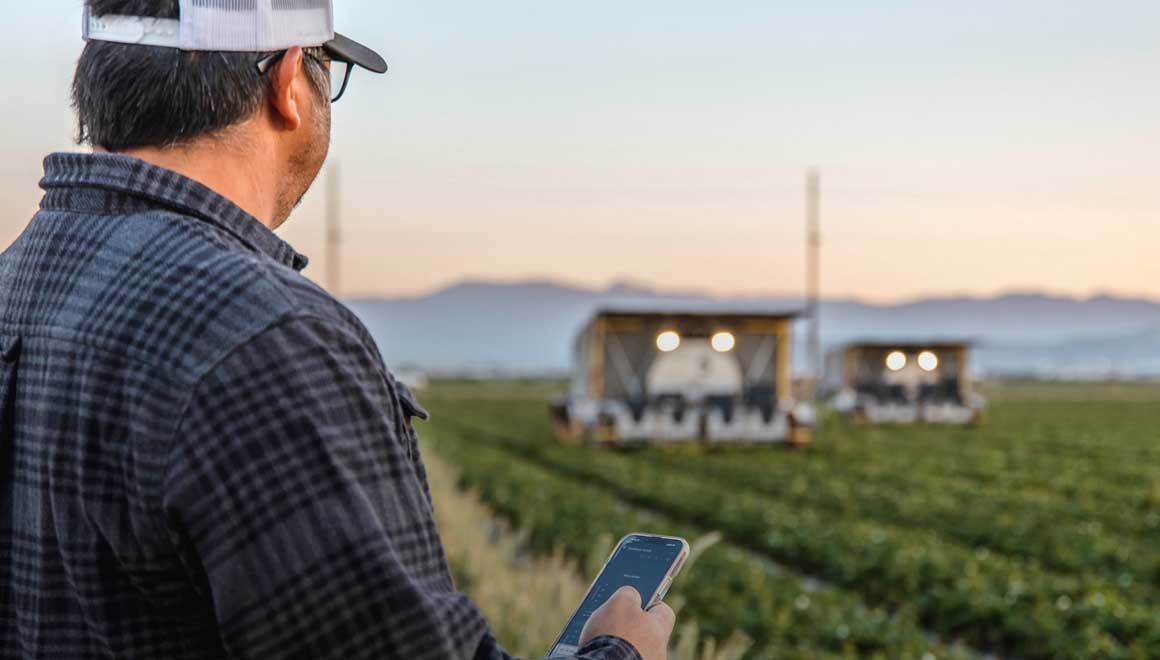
[{"x": 629, "y": 595}]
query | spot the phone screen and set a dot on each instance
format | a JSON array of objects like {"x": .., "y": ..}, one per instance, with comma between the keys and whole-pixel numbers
[{"x": 639, "y": 561}]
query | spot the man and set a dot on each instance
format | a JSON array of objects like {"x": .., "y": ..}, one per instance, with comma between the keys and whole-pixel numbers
[{"x": 201, "y": 452}]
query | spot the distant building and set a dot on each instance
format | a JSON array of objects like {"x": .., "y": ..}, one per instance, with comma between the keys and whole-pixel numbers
[
  {"x": 903, "y": 382},
  {"x": 656, "y": 376}
]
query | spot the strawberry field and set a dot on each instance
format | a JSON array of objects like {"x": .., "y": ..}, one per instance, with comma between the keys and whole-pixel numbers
[{"x": 1035, "y": 536}]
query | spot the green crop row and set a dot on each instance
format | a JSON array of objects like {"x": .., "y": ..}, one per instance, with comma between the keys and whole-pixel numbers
[
  {"x": 1053, "y": 533},
  {"x": 1004, "y": 462},
  {"x": 990, "y": 601},
  {"x": 1055, "y": 537},
  {"x": 726, "y": 589},
  {"x": 1102, "y": 450},
  {"x": 1124, "y": 516}
]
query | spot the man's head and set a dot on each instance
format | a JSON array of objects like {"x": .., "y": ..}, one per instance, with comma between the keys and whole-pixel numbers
[{"x": 273, "y": 105}]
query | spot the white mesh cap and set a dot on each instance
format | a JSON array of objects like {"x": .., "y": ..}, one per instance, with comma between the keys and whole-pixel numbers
[
  {"x": 255, "y": 25},
  {"x": 236, "y": 25}
]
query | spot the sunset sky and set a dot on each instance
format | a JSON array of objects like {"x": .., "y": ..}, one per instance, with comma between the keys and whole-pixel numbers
[{"x": 966, "y": 148}]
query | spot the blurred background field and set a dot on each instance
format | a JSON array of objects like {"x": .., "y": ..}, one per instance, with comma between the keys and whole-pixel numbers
[{"x": 1034, "y": 535}]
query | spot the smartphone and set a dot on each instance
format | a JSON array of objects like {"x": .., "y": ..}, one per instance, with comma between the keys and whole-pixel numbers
[{"x": 647, "y": 562}]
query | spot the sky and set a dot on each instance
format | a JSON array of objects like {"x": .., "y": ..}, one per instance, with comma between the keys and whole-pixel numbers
[{"x": 964, "y": 148}]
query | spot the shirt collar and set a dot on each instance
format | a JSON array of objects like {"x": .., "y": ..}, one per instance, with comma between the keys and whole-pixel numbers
[{"x": 164, "y": 188}]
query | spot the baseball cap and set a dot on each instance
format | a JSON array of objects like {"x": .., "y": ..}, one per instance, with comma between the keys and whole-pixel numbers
[{"x": 237, "y": 25}]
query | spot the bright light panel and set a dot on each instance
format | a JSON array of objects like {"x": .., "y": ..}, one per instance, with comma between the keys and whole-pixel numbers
[
  {"x": 896, "y": 361},
  {"x": 723, "y": 342},
  {"x": 668, "y": 341},
  {"x": 928, "y": 361}
]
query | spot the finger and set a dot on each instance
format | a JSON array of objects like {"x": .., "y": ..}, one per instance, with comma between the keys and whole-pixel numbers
[
  {"x": 629, "y": 594},
  {"x": 663, "y": 615}
]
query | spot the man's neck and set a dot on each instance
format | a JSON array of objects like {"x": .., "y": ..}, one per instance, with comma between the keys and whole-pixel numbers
[{"x": 241, "y": 176}]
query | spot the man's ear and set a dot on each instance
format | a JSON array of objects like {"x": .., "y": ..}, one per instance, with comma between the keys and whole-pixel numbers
[{"x": 286, "y": 97}]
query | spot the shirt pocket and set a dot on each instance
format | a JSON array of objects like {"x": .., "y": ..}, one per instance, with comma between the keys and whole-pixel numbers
[
  {"x": 411, "y": 409},
  {"x": 9, "y": 356}
]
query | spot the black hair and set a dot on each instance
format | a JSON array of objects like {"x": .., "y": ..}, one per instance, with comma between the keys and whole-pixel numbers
[{"x": 131, "y": 96}]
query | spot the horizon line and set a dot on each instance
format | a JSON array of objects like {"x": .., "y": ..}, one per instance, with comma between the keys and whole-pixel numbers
[{"x": 628, "y": 283}]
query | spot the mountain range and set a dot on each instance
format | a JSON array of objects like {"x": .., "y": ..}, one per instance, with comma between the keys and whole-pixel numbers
[{"x": 529, "y": 327}]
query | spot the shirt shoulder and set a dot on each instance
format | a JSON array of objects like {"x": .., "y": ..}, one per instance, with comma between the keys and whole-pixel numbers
[{"x": 165, "y": 289}]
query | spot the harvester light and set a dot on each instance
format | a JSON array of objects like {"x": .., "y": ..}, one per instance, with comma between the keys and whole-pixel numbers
[
  {"x": 896, "y": 361},
  {"x": 928, "y": 361},
  {"x": 723, "y": 342},
  {"x": 668, "y": 341}
]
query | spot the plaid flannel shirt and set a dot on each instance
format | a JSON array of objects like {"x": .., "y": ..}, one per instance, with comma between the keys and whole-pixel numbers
[{"x": 202, "y": 454}]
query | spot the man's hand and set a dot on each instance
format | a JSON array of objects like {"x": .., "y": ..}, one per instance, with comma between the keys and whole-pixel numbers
[{"x": 621, "y": 616}]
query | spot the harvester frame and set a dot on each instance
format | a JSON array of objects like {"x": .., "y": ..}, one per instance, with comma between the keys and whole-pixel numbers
[
  {"x": 631, "y": 383},
  {"x": 874, "y": 382}
]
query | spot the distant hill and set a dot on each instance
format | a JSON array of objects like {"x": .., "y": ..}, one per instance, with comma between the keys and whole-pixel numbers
[
  {"x": 529, "y": 326},
  {"x": 1134, "y": 355}
]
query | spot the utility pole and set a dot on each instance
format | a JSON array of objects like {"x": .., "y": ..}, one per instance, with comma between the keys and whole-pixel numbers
[
  {"x": 333, "y": 234},
  {"x": 813, "y": 283}
]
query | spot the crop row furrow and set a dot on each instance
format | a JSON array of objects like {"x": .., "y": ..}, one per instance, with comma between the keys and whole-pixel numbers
[
  {"x": 990, "y": 601},
  {"x": 1063, "y": 534},
  {"x": 1003, "y": 461},
  {"x": 1015, "y": 452},
  {"x": 726, "y": 589}
]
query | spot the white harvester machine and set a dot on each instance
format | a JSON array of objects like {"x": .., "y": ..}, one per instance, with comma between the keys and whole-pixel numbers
[
  {"x": 903, "y": 382},
  {"x": 657, "y": 377}
]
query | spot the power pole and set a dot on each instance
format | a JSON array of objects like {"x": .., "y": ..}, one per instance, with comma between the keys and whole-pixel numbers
[
  {"x": 333, "y": 234},
  {"x": 813, "y": 283}
]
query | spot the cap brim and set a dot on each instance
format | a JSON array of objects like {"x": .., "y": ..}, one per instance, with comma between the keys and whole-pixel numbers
[{"x": 352, "y": 51}]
